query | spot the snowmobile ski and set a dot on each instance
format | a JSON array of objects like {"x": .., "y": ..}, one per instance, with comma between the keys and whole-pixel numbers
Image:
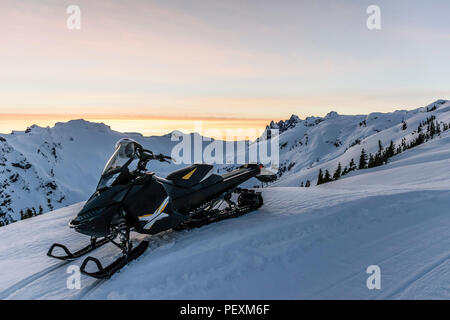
[
  {"x": 108, "y": 271},
  {"x": 95, "y": 243}
]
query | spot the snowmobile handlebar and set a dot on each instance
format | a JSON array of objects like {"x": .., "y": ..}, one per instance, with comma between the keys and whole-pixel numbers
[
  {"x": 147, "y": 155},
  {"x": 162, "y": 158}
]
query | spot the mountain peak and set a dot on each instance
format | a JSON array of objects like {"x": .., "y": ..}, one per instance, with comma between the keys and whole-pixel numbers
[
  {"x": 294, "y": 118},
  {"x": 332, "y": 115},
  {"x": 78, "y": 124}
]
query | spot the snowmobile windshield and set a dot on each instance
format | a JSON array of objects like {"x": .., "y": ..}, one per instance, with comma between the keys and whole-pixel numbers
[
  {"x": 125, "y": 151},
  {"x": 123, "y": 156}
]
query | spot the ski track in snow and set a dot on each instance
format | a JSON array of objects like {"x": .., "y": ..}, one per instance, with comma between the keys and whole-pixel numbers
[
  {"x": 30, "y": 279},
  {"x": 304, "y": 243}
]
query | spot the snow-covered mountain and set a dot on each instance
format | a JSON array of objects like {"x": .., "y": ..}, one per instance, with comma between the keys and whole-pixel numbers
[
  {"x": 322, "y": 143},
  {"x": 42, "y": 169}
]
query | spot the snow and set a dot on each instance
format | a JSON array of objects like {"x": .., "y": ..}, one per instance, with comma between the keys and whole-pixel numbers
[{"x": 304, "y": 243}]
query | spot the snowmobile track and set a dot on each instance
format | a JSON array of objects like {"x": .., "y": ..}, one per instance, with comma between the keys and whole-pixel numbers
[{"x": 30, "y": 279}]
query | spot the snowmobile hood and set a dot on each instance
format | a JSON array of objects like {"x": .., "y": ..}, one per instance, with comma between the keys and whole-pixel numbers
[
  {"x": 99, "y": 209},
  {"x": 106, "y": 198}
]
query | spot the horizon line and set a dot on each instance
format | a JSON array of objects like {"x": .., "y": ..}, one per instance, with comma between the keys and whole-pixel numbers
[
  {"x": 118, "y": 116},
  {"x": 127, "y": 117}
]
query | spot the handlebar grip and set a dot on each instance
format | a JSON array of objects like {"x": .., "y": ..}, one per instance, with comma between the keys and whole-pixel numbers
[
  {"x": 163, "y": 158},
  {"x": 149, "y": 155}
]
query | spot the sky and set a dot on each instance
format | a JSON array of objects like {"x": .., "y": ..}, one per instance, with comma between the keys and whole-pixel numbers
[{"x": 155, "y": 66}]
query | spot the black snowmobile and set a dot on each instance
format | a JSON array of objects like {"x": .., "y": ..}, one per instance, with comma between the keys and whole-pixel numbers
[{"x": 128, "y": 198}]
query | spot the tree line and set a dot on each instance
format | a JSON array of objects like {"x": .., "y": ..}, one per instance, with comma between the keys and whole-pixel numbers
[{"x": 426, "y": 130}]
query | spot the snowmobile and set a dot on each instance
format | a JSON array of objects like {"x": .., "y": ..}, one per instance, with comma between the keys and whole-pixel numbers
[{"x": 130, "y": 198}]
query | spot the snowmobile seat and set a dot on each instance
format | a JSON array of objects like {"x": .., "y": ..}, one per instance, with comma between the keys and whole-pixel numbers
[
  {"x": 212, "y": 179},
  {"x": 231, "y": 174},
  {"x": 193, "y": 186},
  {"x": 239, "y": 171},
  {"x": 193, "y": 175}
]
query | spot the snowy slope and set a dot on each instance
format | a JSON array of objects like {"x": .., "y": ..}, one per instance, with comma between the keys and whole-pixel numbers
[
  {"x": 304, "y": 243},
  {"x": 321, "y": 143}
]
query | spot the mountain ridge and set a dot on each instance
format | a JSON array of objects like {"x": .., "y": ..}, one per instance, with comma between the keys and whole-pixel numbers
[{"x": 45, "y": 168}]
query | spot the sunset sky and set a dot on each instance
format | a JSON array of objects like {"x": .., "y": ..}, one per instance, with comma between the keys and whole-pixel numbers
[{"x": 155, "y": 66}]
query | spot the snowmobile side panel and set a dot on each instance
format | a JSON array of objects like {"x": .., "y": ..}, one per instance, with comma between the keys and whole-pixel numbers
[{"x": 166, "y": 223}]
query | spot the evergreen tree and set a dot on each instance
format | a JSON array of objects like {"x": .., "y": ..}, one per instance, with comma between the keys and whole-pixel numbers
[
  {"x": 380, "y": 147},
  {"x": 404, "y": 147},
  {"x": 338, "y": 172},
  {"x": 352, "y": 165},
  {"x": 371, "y": 163},
  {"x": 320, "y": 177},
  {"x": 327, "y": 177},
  {"x": 431, "y": 129},
  {"x": 404, "y": 125},
  {"x": 363, "y": 160},
  {"x": 27, "y": 214},
  {"x": 345, "y": 171},
  {"x": 390, "y": 152}
]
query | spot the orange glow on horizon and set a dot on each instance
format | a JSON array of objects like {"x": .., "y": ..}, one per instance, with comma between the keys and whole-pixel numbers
[
  {"x": 215, "y": 127},
  {"x": 66, "y": 117}
]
